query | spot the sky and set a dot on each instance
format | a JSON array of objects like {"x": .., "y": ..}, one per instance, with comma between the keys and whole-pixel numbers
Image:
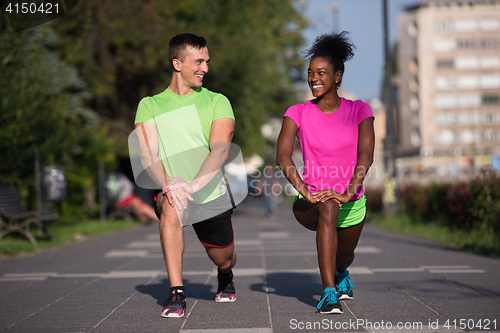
[{"x": 364, "y": 20}]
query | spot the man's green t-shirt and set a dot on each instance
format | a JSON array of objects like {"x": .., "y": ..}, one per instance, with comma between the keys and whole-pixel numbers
[{"x": 183, "y": 124}]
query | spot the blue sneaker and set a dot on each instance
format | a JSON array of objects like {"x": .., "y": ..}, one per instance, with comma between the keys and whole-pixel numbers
[
  {"x": 344, "y": 285},
  {"x": 329, "y": 302}
]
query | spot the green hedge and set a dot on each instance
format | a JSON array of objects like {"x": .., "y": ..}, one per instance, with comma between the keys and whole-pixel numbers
[{"x": 461, "y": 205}]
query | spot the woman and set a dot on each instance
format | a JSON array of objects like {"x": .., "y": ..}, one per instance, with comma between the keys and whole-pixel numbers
[{"x": 336, "y": 137}]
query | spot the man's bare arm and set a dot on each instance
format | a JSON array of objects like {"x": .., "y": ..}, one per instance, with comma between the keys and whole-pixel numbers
[
  {"x": 221, "y": 134},
  {"x": 147, "y": 136}
]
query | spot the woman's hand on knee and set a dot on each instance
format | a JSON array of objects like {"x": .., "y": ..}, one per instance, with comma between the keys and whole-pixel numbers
[
  {"x": 324, "y": 195},
  {"x": 310, "y": 197}
]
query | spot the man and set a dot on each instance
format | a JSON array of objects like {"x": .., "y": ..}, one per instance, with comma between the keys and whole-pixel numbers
[{"x": 190, "y": 128}]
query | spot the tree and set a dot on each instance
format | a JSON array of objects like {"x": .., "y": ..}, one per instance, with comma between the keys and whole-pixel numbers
[
  {"x": 42, "y": 109},
  {"x": 122, "y": 51}
]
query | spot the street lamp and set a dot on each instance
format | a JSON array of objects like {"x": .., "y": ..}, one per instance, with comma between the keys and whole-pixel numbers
[
  {"x": 389, "y": 199},
  {"x": 302, "y": 4},
  {"x": 335, "y": 8}
]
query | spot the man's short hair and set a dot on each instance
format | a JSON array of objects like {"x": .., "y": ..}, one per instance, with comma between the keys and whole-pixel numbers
[{"x": 180, "y": 42}]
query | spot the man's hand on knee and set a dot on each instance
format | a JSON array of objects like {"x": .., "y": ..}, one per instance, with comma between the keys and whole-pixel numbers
[
  {"x": 180, "y": 198},
  {"x": 177, "y": 198},
  {"x": 168, "y": 194}
]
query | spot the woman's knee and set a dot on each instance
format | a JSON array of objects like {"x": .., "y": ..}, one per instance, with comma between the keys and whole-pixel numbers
[
  {"x": 329, "y": 211},
  {"x": 306, "y": 214},
  {"x": 345, "y": 257},
  {"x": 344, "y": 260}
]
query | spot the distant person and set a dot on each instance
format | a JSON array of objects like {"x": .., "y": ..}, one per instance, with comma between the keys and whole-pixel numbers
[
  {"x": 269, "y": 187},
  {"x": 123, "y": 189},
  {"x": 180, "y": 125},
  {"x": 337, "y": 140}
]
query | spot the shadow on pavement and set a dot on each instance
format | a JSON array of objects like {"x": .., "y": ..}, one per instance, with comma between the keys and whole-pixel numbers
[
  {"x": 302, "y": 287},
  {"x": 159, "y": 291}
]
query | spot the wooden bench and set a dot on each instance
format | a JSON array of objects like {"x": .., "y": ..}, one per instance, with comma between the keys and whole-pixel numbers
[
  {"x": 14, "y": 218},
  {"x": 115, "y": 213}
]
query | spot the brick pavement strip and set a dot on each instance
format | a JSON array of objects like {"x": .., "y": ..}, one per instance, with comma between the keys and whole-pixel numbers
[{"x": 117, "y": 283}]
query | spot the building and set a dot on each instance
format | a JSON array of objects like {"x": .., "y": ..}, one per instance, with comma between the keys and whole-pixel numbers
[
  {"x": 375, "y": 177},
  {"x": 449, "y": 88}
]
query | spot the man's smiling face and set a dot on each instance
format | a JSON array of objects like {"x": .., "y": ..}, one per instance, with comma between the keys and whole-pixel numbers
[{"x": 194, "y": 66}]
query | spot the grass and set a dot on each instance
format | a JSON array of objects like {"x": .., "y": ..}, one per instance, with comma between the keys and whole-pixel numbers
[
  {"x": 61, "y": 232},
  {"x": 481, "y": 240}
]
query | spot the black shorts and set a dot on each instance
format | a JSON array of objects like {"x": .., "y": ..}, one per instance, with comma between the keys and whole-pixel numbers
[{"x": 216, "y": 231}]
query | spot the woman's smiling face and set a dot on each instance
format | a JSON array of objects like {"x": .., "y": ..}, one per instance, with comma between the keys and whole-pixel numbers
[{"x": 321, "y": 76}]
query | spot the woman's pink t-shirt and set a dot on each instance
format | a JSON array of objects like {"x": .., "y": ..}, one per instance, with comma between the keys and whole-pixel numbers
[{"x": 329, "y": 143}]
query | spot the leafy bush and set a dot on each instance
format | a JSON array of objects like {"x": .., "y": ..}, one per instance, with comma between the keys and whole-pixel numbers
[
  {"x": 373, "y": 200},
  {"x": 462, "y": 205},
  {"x": 43, "y": 109}
]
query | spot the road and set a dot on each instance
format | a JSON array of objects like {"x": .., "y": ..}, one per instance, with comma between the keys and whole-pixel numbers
[{"x": 117, "y": 283}]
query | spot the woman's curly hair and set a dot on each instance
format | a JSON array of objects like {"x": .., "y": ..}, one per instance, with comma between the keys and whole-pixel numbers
[{"x": 336, "y": 47}]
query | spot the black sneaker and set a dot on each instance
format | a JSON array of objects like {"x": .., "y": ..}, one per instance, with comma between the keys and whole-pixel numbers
[
  {"x": 329, "y": 302},
  {"x": 344, "y": 285},
  {"x": 225, "y": 291},
  {"x": 175, "y": 305}
]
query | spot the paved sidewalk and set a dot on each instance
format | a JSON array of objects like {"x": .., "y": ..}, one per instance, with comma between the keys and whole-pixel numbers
[{"x": 117, "y": 283}]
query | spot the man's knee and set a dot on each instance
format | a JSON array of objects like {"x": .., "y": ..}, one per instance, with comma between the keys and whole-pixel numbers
[
  {"x": 229, "y": 262},
  {"x": 222, "y": 257},
  {"x": 169, "y": 216}
]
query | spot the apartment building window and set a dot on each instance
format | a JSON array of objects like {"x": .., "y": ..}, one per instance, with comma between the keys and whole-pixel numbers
[
  {"x": 469, "y": 118},
  {"x": 477, "y": 136},
  {"x": 467, "y": 44},
  {"x": 496, "y": 117},
  {"x": 415, "y": 138},
  {"x": 445, "y": 101},
  {"x": 466, "y": 62},
  {"x": 471, "y": 44},
  {"x": 415, "y": 120},
  {"x": 467, "y": 136},
  {"x": 444, "y": 45},
  {"x": 466, "y": 25},
  {"x": 413, "y": 84},
  {"x": 469, "y": 100},
  {"x": 445, "y": 137},
  {"x": 444, "y": 82},
  {"x": 491, "y": 99},
  {"x": 492, "y": 118},
  {"x": 489, "y": 81},
  {"x": 490, "y": 62},
  {"x": 491, "y": 43},
  {"x": 489, "y": 135},
  {"x": 468, "y": 82},
  {"x": 414, "y": 103},
  {"x": 488, "y": 118},
  {"x": 412, "y": 29},
  {"x": 445, "y": 63},
  {"x": 445, "y": 118},
  {"x": 443, "y": 26},
  {"x": 413, "y": 67},
  {"x": 489, "y": 24}
]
